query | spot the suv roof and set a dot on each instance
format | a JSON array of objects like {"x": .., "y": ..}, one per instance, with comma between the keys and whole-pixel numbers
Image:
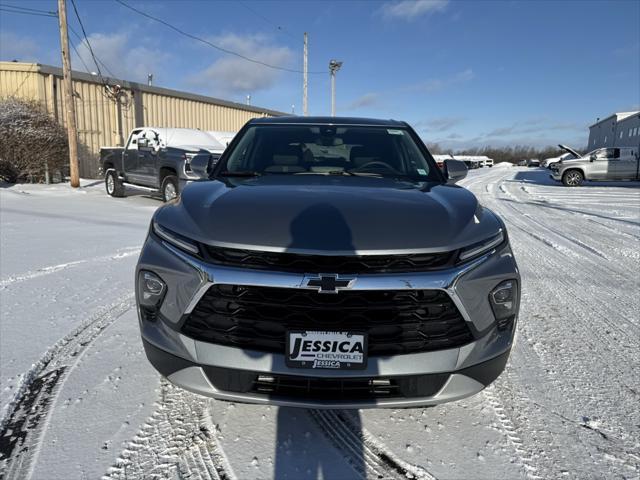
[{"x": 294, "y": 120}]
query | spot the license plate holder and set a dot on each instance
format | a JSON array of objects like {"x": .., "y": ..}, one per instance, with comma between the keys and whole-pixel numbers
[{"x": 315, "y": 349}]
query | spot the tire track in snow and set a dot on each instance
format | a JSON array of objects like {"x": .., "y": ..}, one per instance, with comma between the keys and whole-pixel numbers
[
  {"x": 359, "y": 446},
  {"x": 11, "y": 280},
  {"x": 525, "y": 459},
  {"x": 28, "y": 412},
  {"x": 570, "y": 338},
  {"x": 176, "y": 441}
]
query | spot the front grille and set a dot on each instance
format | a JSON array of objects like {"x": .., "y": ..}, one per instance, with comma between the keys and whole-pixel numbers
[
  {"x": 396, "y": 321},
  {"x": 358, "y": 388},
  {"x": 354, "y": 264}
]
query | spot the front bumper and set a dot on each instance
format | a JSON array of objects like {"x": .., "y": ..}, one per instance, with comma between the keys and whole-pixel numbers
[{"x": 186, "y": 362}]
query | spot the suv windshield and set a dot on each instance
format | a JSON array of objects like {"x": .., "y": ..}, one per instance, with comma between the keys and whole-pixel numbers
[{"x": 328, "y": 150}]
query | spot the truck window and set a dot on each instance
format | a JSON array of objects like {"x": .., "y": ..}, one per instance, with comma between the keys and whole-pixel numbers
[{"x": 133, "y": 140}]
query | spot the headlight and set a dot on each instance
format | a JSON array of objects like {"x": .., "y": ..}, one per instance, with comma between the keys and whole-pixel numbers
[
  {"x": 175, "y": 239},
  {"x": 479, "y": 248},
  {"x": 504, "y": 302}
]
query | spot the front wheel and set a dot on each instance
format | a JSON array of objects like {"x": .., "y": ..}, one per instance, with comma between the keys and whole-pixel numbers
[
  {"x": 169, "y": 188},
  {"x": 573, "y": 178},
  {"x": 112, "y": 183}
]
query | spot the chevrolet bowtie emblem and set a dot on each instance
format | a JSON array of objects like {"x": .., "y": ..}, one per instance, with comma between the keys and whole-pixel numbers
[{"x": 329, "y": 283}]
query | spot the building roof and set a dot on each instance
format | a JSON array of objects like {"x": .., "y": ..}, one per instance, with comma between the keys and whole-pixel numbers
[
  {"x": 293, "y": 120},
  {"x": 618, "y": 116},
  {"x": 86, "y": 77}
]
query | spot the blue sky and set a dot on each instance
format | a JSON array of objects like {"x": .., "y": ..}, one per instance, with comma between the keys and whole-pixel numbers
[{"x": 463, "y": 73}]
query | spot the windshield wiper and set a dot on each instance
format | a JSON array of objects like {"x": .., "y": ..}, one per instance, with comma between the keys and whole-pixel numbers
[
  {"x": 330, "y": 172},
  {"x": 241, "y": 173}
]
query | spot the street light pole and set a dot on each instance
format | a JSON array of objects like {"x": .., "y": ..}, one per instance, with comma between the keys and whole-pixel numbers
[
  {"x": 305, "y": 83},
  {"x": 334, "y": 66}
]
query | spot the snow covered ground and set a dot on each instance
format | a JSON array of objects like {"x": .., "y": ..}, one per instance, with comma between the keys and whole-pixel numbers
[{"x": 78, "y": 399}]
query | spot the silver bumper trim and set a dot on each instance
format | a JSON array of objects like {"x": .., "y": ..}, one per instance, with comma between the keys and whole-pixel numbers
[{"x": 457, "y": 387}]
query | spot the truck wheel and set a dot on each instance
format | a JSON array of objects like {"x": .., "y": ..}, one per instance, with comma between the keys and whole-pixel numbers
[
  {"x": 113, "y": 184},
  {"x": 572, "y": 178},
  {"x": 169, "y": 188}
]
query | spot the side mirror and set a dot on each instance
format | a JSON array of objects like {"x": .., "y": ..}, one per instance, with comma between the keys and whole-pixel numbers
[
  {"x": 200, "y": 165},
  {"x": 143, "y": 145},
  {"x": 592, "y": 157},
  {"x": 454, "y": 170}
]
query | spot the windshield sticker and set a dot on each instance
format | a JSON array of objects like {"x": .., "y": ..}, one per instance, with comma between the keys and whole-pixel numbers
[
  {"x": 395, "y": 132},
  {"x": 421, "y": 171}
]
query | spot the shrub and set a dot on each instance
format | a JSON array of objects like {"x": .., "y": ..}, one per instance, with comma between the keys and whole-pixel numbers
[{"x": 30, "y": 141}]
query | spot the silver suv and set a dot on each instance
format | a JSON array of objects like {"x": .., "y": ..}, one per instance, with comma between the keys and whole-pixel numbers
[
  {"x": 600, "y": 164},
  {"x": 328, "y": 263}
]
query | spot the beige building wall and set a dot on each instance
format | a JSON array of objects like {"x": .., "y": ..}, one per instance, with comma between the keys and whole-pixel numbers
[{"x": 103, "y": 121}]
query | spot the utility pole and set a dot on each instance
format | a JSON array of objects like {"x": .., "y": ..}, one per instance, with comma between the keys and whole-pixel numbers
[
  {"x": 72, "y": 132},
  {"x": 334, "y": 66},
  {"x": 305, "y": 84}
]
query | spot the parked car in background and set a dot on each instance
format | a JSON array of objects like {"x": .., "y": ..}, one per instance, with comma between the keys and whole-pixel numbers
[
  {"x": 601, "y": 164},
  {"x": 156, "y": 159},
  {"x": 523, "y": 163},
  {"x": 533, "y": 162},
  {"x": 328, "y": 263},
  {"x": 568, "y": 154},
  {"x": 488, "y": 162},
  {"x": 222, "y": 137},
  {"x": 440, "y": 159},
  {"x": 471, "y": 164}
]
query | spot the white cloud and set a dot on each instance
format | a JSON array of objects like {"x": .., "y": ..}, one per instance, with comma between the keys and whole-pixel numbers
[
  {"x": 366, "y": 100},
  {"x": 437, "y": 84},
  {"x": 440, "y": 124},
  {"x": 15, "y": 47},
  {"x": 234, "y": 75},
  {"x": 123, "y": 55},
  {"x": 412, "y": 9}
]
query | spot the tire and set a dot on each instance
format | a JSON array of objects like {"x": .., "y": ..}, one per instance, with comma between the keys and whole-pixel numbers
[
  {"x": 112, "y": 183},
  {"x": 572, "y": 178},
  {"x": 169, "y": 188}
]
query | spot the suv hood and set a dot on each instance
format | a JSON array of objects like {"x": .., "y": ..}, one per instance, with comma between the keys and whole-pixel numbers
[{"x": 329, "y": 215}]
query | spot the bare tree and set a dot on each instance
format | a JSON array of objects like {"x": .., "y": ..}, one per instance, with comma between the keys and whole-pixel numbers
[{"x": 32, "y": 143}]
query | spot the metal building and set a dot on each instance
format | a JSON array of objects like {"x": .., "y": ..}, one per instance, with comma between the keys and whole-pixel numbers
[
  {"x": 618, "y": 130},
  {"x": 105, "y": 117}
]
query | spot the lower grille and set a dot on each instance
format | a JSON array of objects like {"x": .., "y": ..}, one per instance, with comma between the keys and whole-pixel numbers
[
  {"x": 396, "y": 321},
  {"x": 313, "y": 388}
]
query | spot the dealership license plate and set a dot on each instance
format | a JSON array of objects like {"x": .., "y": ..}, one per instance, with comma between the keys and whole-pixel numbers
[{"x": 334, "y": 350}]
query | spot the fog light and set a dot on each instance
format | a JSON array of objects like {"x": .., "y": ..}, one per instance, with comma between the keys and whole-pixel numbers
[
  {"x": 151, "y": 289},
  {"x": 503, "y": 300}
]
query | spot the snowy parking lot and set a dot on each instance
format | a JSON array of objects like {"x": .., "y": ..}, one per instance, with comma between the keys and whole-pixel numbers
[{"x": 79, "y": 400}]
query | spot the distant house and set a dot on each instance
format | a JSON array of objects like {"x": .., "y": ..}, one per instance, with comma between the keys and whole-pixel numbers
[{"x": 618, "y": 130}]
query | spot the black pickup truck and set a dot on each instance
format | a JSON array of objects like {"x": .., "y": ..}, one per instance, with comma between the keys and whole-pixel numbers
[{"x": 156, "y": 159}]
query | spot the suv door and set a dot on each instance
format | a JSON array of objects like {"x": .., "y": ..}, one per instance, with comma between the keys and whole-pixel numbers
[
  {"x": 130, "y": 161},
  {"x": 626, "y": 167},
  {"x": 601, "y": 166},
  {"x": 147, "y": 171}
]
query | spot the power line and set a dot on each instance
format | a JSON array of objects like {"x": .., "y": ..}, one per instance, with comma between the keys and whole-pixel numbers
[
  {"x": 86, "y": 39},
  {"x": 206, "y": 42},
  {"x": 35, "y": 10},
  {"x": 3, "y": 9},
  {"x": 257, "y": 14},
  {"x": 97, "y": 58}
]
